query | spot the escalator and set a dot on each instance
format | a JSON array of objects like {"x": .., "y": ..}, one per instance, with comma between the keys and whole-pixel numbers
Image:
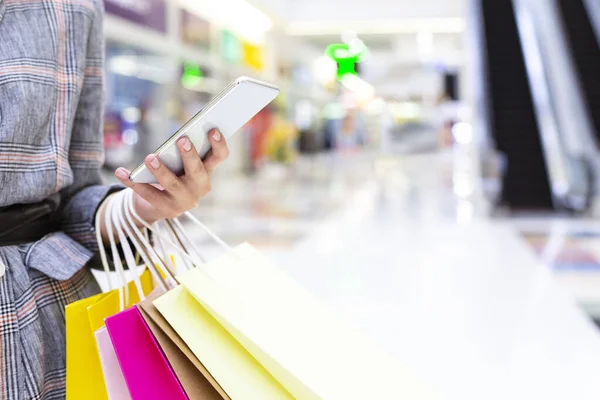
[
  {"x": 585, "y": 52},
  {"x": 512, "y": 118}
]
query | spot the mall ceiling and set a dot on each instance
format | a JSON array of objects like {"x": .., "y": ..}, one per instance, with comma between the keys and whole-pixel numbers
[{"x": 298, "y": 15}]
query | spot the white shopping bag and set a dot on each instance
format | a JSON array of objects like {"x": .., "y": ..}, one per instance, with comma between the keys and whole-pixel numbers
[{"x": 113, "y": 377}]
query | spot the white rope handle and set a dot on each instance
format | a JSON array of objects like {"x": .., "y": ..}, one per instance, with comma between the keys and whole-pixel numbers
[
  {"x": 146, "y": 250},
  {"x": 228, "y": 249},
  {"x": 183, "y": 233},
  {"x": 169, "y": 236},
  {"x": 131, "y": 234},
  {"x": 210, "y": 233},
  {"x": 174, "y": 235},
  {"x": 161, "y": 246},
  {"x": 122, "y": 287},
  {"x": 164, "y": 237},
  {"x": 101, "y": 247},
  {"x": 144, "y": 253},
  {"x": 170, "y": 272},
  {"x": 127, "y": 252}
]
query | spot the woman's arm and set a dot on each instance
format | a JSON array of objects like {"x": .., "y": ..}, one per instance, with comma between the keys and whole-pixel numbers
[
  {"x": 81, "y": 198},
  {"x": 86, "y": 155}
]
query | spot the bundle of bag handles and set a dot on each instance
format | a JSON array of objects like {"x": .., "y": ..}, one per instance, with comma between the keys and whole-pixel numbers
[{"x": 121, "y": 220}]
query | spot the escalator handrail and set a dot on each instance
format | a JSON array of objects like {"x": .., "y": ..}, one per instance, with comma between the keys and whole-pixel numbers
[
  {"x": 557, "y": 163},
  {"x": 476, "y": 59},
  {"x": 568, "y": 100},
  {"x": 593, "y": 10},
  {"x": 574, "y": 121}
]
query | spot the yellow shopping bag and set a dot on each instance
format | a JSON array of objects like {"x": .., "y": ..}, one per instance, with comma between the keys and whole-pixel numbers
[
  {"x": 85, "y": 379},
  {"x": 81, "y": 349}
]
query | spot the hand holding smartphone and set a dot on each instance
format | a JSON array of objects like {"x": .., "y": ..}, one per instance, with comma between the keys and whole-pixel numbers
[
  {"x": 227, "y": 112},
  {"x": 183, "y": 165}
]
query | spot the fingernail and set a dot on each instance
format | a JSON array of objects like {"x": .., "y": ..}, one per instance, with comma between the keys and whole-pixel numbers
[
  {"x": 154, "y": 163},
  {"x": 122, "y": 173},
  {"x": 186, "y": 144},
  {"x": 217, "y": 136}
]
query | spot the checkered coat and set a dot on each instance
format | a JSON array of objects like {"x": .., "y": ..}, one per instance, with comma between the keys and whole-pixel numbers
[{"x": 51, "y": 74}]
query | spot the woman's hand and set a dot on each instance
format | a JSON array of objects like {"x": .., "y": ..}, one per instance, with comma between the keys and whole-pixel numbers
[{"x": 178, "y": 194}]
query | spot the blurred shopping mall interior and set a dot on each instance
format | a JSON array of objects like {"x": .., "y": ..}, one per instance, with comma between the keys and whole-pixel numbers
[{"x": 431, "y": 168}]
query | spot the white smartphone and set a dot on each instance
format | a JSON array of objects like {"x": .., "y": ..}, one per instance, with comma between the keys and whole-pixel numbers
[{"x": 228, "y": 112}]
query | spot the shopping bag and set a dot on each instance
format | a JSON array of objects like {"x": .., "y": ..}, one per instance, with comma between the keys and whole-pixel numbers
[
  {"x": 116, "y": 387},
  {"x": 193, "y": 376},
  {"x": 146, "y": 370},
  {"x": 262, "y": 336},
  {"x": 306, "y": 348},
  {"x": 85, "y": 379},
  {"x": 108, "y": 305},
  {"x": 240, "y": 375},
  {"x": 84, "y": 373}
]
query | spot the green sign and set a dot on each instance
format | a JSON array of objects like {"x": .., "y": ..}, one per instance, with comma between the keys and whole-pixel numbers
[
  {"x": 192, "y": 75},
  {"x": 345, "y": 57}
]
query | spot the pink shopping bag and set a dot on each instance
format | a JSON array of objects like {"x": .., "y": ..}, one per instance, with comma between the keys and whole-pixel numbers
[{"x": 146, "y": 370}]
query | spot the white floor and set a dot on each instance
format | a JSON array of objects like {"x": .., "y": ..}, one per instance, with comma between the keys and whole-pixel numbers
[{"x": 463, "y": 301}]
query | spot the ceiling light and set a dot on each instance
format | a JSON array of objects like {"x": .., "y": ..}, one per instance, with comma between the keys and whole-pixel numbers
[
  {"x": 325, "y": 70},
  {"x": 239, "y": 16},
  {"x": 463, "y": 133},
  {"x": 374, "y": 27}
]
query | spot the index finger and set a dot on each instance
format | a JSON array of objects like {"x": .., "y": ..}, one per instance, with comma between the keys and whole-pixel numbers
[{"x": 147, "y": 191}]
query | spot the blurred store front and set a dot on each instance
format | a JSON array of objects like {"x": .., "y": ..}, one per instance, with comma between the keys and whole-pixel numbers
[{"x": 340, "y": 92}]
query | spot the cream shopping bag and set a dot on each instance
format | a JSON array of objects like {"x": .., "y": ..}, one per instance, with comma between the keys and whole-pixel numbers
[
  {"x": 261, "y": 336},
  {"x": 307, "y": 348},
  {"x": 307, "y": 351},
  {"x": 240, "y": 375}
]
